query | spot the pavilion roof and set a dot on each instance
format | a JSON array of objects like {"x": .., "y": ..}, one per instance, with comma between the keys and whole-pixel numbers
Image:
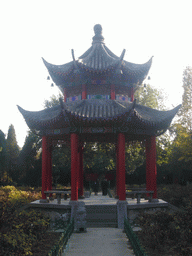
[
  {"x": 100, "y": 113},
  {"x": 98, "y": 59}
]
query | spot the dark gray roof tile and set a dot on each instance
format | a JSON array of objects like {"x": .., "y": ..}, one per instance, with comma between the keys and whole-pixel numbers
[{"x": 98, "y": 112}]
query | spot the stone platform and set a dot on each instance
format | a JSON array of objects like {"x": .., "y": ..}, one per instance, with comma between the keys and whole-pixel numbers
[
  {"x": 101, "y": 200},
  {"x": 103, "y": 211}
]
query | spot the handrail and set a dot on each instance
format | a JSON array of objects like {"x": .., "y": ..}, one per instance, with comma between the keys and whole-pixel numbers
[
  {"x": 58, "y": 249},
  {"x": 138, "y": 250}
]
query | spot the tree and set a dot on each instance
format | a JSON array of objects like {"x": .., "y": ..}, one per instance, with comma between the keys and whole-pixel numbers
[
  {"x": 29, "y": 160},
  {"x": 3, "y": 156},
  {"x": 99, "y": 157},
  {"x": 148, "y": 96},
  {"x": 12, "y": 151},
  {"x": 54, "y": 101},
  {"x": 185, "y": 112},
  {"x": 181, "y": 146}
]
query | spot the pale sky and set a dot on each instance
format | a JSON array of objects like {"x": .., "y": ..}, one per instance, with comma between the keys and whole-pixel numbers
[{"x": 50, "y": 29}]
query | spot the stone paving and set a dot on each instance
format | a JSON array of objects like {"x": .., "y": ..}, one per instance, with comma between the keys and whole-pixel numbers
[{"x": 99, "y": 242}]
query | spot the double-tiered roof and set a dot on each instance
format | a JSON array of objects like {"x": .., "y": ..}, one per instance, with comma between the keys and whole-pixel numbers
[{"x": 96, "y": 68}]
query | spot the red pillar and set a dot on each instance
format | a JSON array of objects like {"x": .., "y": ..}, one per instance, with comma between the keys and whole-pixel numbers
[
  {"x": 151, "y": 169},
  {"x": 117, "y": 171},
  {"x": 84, "y": 92},
  {"x": 45, "y": 154},
  {"x": 81, "y": 192},
  {"x": 132, "y": 94},
  {"x": 65, "y": 95},
  {"x": 121, "y": 165},
  {"x": 49, "y": 168},
  {"x": 113, "y": 96},
  {"x": 74, "y": 167}
]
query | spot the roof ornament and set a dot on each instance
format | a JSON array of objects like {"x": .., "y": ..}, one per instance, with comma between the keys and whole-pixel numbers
[
  {"x": 118, "y": 70},
  {"x": 98, "y": 38},
  {"x": 76, "y": 70}
]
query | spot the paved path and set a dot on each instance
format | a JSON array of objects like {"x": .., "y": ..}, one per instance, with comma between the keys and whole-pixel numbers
[{"x": 99, "y": 242}]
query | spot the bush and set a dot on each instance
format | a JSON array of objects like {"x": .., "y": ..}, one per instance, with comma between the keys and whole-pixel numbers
[
  {"x": 175, "y": 194},
  {"x": 24, "y": 230},
  {"x": 166, "y": 233},
  {"x": 19, "y": 229}
]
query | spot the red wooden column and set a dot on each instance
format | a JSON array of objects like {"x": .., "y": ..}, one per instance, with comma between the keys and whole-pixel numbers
[
  {"x": 117, "y": 171},
  {"x": 84, "y": 92},
  {"x": 132, "y": 94},
  {"x": 121, "y": 166},
  {"x": 49, "y": 168},
  {"x": 81, "y": 192},
  {"x": 65, "y": 95},
  {"x": 113, "y": 96},
  {"x": 74, "y": 167},
  {"x": 45, "y": 154},
  {"x": 151, "y": 169}
]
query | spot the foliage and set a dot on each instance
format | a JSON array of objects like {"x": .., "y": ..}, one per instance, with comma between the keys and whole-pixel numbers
[
  {"x": 19, "y": 229},
  {"x": 29, "y": 161},
  {"x": 25, "y": 229},
  {"x": 163, "y": 149},
  {"x": 134, "y": 155},
  {"x": 99, "y": 157},
  {"x": 148, "y": 96},
  {"x": 61, "y": 162},
  {"x": 185, "y": 112},
  {"x": 3, "y": 155},
  {"x": 177, "y": 195},
  {"x": 53, "y": 101},
  {"x": 167, "y": 233},
  {"x": 12, "y": 147}
]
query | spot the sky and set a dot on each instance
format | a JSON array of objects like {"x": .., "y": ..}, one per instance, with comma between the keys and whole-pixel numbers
[{"x": 31, "y": 30}]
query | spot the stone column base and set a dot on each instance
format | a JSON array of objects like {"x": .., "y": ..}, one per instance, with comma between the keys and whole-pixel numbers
[
  {"x": 121, "y": 213},
  {"x": 78, "y": 212}
]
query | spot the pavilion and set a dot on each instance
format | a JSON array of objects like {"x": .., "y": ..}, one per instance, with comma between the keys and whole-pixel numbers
[{"x": 98, "y": 106}]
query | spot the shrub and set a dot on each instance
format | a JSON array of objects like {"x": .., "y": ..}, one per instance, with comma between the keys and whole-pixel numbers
[
  {"x": 19, "y": 229},
  {"x": 25, "y": 229},
  {"x": 170, "y": 234}
]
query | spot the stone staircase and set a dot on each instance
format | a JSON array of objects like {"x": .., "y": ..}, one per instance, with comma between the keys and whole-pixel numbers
[{"x": 101, "y": 216}]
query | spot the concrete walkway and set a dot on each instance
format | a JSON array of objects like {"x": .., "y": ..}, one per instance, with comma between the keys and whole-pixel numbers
[{"x": 99, "y": 242}]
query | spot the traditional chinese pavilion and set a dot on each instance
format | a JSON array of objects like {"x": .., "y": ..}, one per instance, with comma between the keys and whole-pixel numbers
[{"x": 98, "y": 106}]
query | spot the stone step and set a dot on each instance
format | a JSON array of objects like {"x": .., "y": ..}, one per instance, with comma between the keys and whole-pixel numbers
[
  {"x": 102, "y": 224},
  {"x": 101, "y": 208},
  {"x": 101, "y": 215}
]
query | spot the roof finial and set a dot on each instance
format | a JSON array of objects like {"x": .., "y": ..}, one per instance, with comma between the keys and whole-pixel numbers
[
  {"x": 98, "y": 38},
  {"x": 98, "y": 29}
]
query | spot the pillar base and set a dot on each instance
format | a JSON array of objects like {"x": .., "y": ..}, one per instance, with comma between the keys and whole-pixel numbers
[
  {"x": 121, "y": 213},
  {"x": 78, "y": 212},
  {"x": 81, "y": 197}
]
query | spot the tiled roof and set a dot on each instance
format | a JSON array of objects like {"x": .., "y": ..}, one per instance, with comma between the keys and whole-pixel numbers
[
  {"x": 98, "y": 58},
  {"x": 87, "y": 112}
]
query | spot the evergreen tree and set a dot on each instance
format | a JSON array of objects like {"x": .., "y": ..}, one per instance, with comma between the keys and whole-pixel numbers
[
  {"x": 29, "y": 158},
  {"x": 12, "y": 152},
  {"x": 3, "y": 156}
]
